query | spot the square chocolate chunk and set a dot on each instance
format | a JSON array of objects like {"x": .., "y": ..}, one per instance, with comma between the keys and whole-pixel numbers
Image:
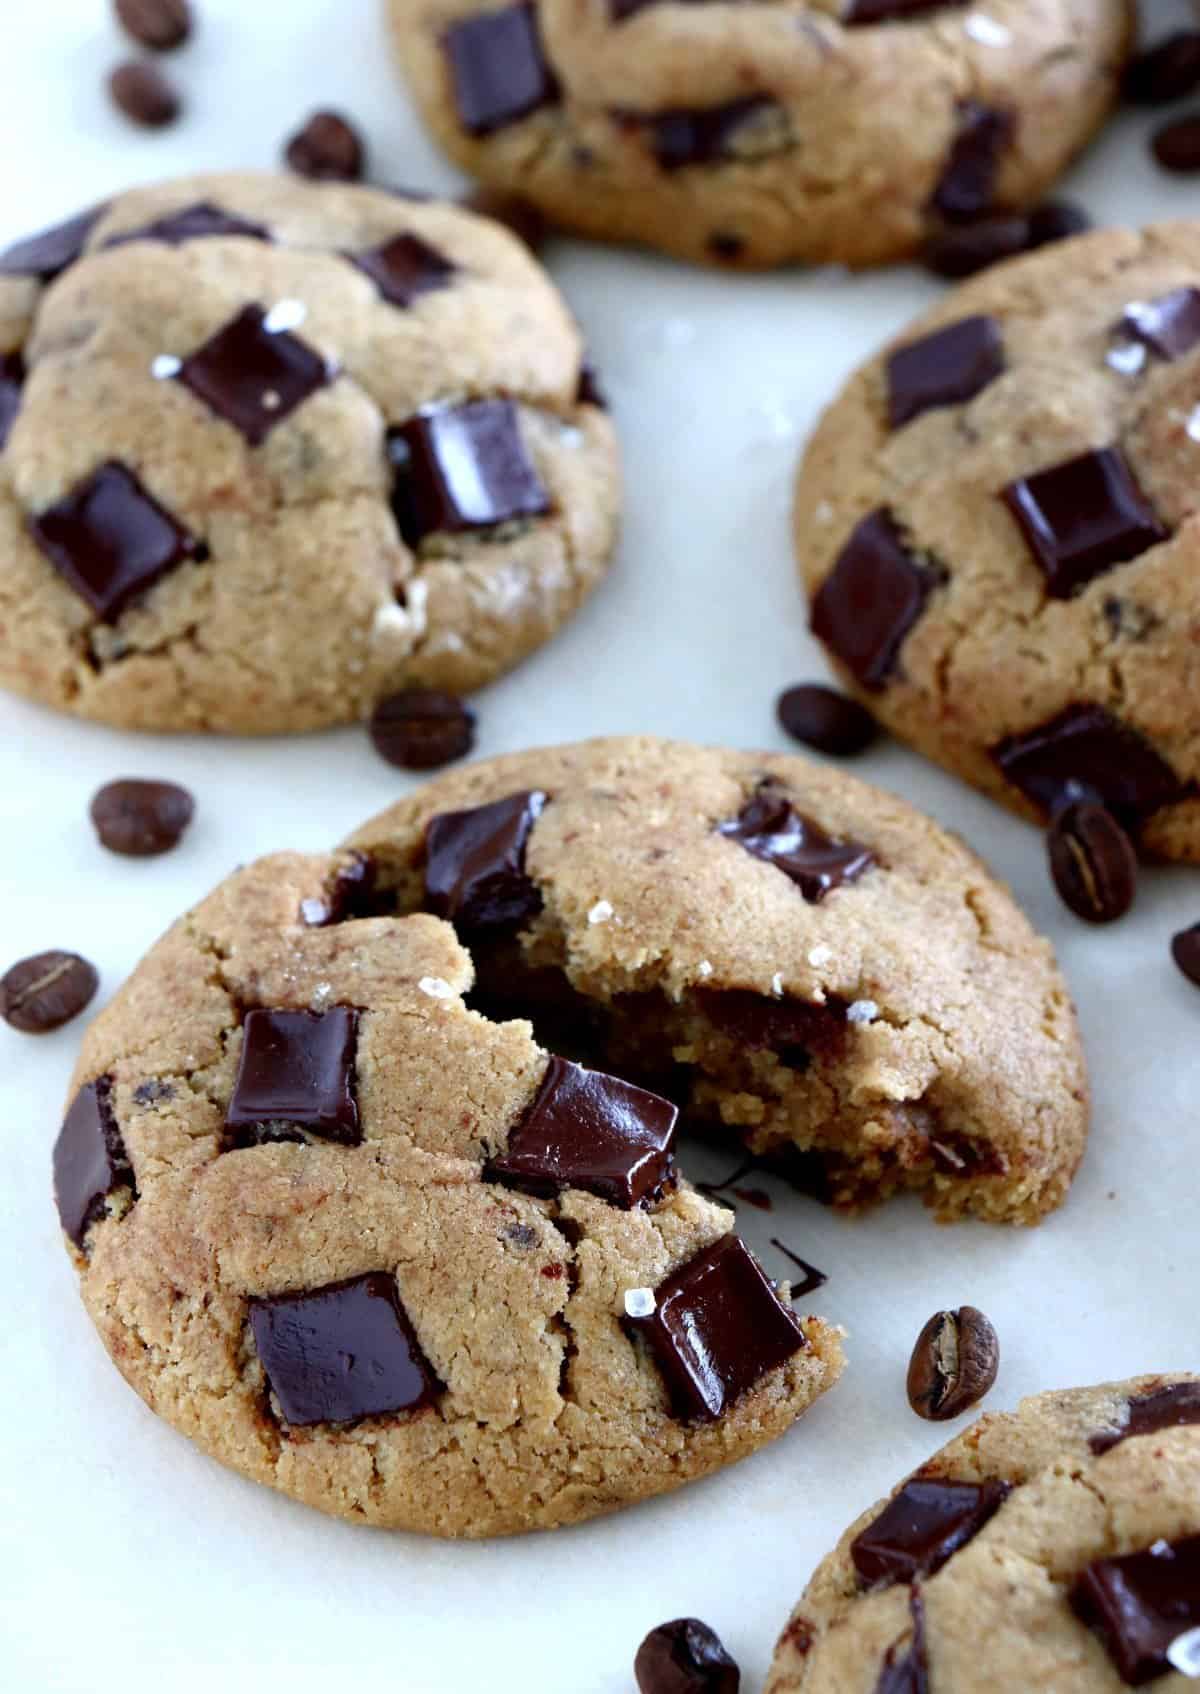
[
  {"x": 200, "y": 222},
  {"x": 341, "y": 1353},
  {"x": 89, "y": 1159},
  {"x": 404, "y": 268},
  {"x": 498, "y": 69},
  {"x": 717, "y": 1328},
  {"x": 53, "y": 251},
  {"x": 253, "y": 375},
  {"x": 592, "y": 1131},
  {"x": 1141, "y": 1604},
  {"x": 1168, "y": 326},
  {"x": 967, "y": 187},
  {"x": 1087, "y": 754},
  {"x": 1082, "y": 517},
  {"x": 871, "y": 599},
  {"x": 461, "y": 468},
  {"x": 921, "y": 1527},
  {"x": 947, "y": 368},
  {"x": 296, "y": 1071},
  {"x": 475, "y": 863}
]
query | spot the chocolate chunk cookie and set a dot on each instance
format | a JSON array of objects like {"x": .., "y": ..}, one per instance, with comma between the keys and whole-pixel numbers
[
  {"x": 996, "y": 527},
  {"x": 1064, "y": 1537},
  {"x": 271, "y": 450},
  {"x": 806, "y": 965},
  {"x": 815, "y": 130}
]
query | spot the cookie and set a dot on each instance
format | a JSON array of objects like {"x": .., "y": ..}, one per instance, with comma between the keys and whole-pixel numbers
[
  {"x": 373, "y": 1249},
  {"x": 1062, "y": 1539},
  {"x": 816, "y": 130},
  {"x": 809, "y": 967},
  {"x": 271, "y": 449},
  {"x": 996, "y": 528}
]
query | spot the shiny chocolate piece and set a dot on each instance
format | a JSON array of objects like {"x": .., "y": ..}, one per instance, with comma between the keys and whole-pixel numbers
[
  {"x": 905, "y": 1668},
  {"x": 967, "y": 186},
  {"x": 89, "y": 1159},
  {"x": 1082, "y": 517},
  {"x": 717, "y": 1328},
  {"x": 475, "y": 863},
  {"x": 498, "y": 69},
  {"x": 200, "y": 222},
  {"x": 871, "y": 599},
  {"x": 12, "y": 382},
  {"x": 921, "y": 1527},
  {"x": 1140, "y": 1604},
  {"x": 341, "y": 1353},
  {"x": 296, "y": 1069},
  {"x": 404, "y": 268},
  {"x": 1168, "y": 326},
  {"x": 887, "y": 11},
  {"x": 588, "y": 1130},
  {"x": 349, "y": 893},
  {"x": 461, "y": 468},
  {"x": 52, "y": 251},
  {"x": 253, "y": 376},
  {"x": 1086, "y": 753},
  {"x": 789, "y": 1027},
  {"x": 769, "y": 827},
  {"x": 1169, "y": 1407},
  {"x": 697, "y": 136},
  {"x": 685, "y": 1657},
  {"x": 110, "y": 540},
  {"x": 947, "y": 368}
]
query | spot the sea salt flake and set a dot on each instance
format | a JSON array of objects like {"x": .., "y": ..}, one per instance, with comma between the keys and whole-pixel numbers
[
  {"x": 777, "y": 985},
  {"x": 823, "y": 512},
  {"x": 436, "y": 988},
  {"x": 862, "y": 1011},
  {"x": 639, "y": 1302},
  {"x": 600, "y": 912},
  {"x": 285, "y": 315},
  {"x": 820, "y": 956},
  {"x": 986, "y": 30},
  {"x": 1183, "y": 1654},
  {"x": 1128, "y": 357},
  {"x": 1192, "y": 426},
  {"x": 165, "y": 367},
  {"x": 704, "y": 968},
  {"x": 321, "y": 993}
]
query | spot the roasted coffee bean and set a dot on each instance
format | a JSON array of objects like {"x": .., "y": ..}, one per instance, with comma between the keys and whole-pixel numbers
[
  {"x": 953, "y": 1364},
  {"x": 1176, "y": 146},
  {"x": 824, "y": 719},
  {"x": 1092, "y": 862},
  {"x": 1166, "y": 72},
  {"x": 1055, "y": 220},
  {"x": 522, "y": 217},
  {"x": 1185, "y": 950},
  {"x": 158, "y": 24},
  {"x": 328, "y": 149},
  {"x": 420, "y": 729},
  {"x": 46, "y": 991},
  {"x": 143, "y": 93},
  {"x": 685, "y": 1657},
  {"x": 972, "y": 247},
  {"x": 141, "y": 819}
]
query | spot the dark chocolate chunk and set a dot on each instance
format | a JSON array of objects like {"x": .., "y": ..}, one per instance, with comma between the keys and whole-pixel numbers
[
  {"x": 160, "y": 25},
  {"x": 1165, "y": 72},
  {"x": 498, "y": 68},
  {"x": 253, "y": 376},
  {"x": 327, "y": 149},
  {"x": 144, "y": 94},
  {"x": 820, "y": 717},
  {"x": 1169, "y": 325},
  {"x": 871, "y": 599},
  {"x": 475, "y": 863},
  {"x": 296, "y": 1068},
  {"x": 588, "y": 1130},
  {"x": 905, "y": 1668},
  {"x": 1092, "y": 861},
  {"x": 1169, "y": 1407},
  {"x": 201, "y": 222},
  {"x": 12, "y": 382},
  {"x": 89, "y": 1159},
  {"x": 1086, "y": 753},
  {"x": 343, "y": 1352},
  {"x": 1140, "y": 1604},
  {"x": 810, "y": 1277},
  {"x": 1176, "y": 146},
  {"x": 921, "y": 1527},
  {"x": 141, "y": 819},
  {"x": 349, "y": 893},
  {"x": 44, "y": 992},
  {"x": 946, "y": 368},
  {"x": 404, "y": 268},
  {"x": 717, "y": 1328},
  {"x": 697, "y": 136},
  {"x": 461, "y": 468},
  {"x": 769, "y": 827},
  {"x": 964, "y": 249},
  {"x": 968, "y": 183},
  {"x": 1185, "y": 950},
  {"x": 685, "y": 1657},
  {"x": 52, "y": 251},
  {"x": 421, "y": 729},
  {"x": 759, "y": 1021},
  {"x": 1082, "y": 517},
  {"x": 885, "y": 11},
  {"x": 111, "y": 540}
]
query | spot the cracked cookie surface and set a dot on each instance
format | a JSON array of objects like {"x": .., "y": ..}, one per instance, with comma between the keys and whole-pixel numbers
[
  {"x": 1017, "y": 1534},
  {"x": 759, "y": 134},
  {"x": 997, "y": 528},
  {"x": 271, "y": 449},
  {"x": 806, "y": 964}
]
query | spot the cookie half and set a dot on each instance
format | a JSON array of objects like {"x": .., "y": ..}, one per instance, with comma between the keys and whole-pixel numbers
[
  {"x": 370, "y": 1248},
  {"x": 815, "y": 130},
  {"x": 996, "y": 523},
  {"x": 810, "y": 967},
  {"x": 271, "y": 449},
  {"x": 1057, "y": 1546}
]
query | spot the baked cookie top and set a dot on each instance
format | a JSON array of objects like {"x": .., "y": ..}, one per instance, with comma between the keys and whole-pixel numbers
[
  {"x": 996, "y": 522},
  {"x": 270, "y": 449},
  {"x": 1053, "y": 1547},
  {"x": 757, "y": 134},
  {"x": 807, "y": 964}
]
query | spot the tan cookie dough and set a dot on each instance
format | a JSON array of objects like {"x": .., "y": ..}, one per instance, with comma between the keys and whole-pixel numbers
[
  {"x": 759, "y": 134},
  {"x": 222, "y": 535},
  {"x": 904, "y": 1029},
  {"x": 1089, "y": 1474}
]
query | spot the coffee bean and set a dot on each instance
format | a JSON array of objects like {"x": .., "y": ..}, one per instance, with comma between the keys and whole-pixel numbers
[
  {"x": 1176, "y": 146},
  {"x": 685, "y": 1657},
  {"x": 157, "y": 24},
  {"x": 1185, "y": 950},
  {"x": 953, "y": 1364},
  {"x": 328, "y": 149},
  {"x": 1092, "y": 862},
  {"x": 1166, "y": 72},
  {"x": 1055, "y": 220},
  {"x": 420, "y": 729},
  {"x": 141, "y": 819},
  {"x": 522, "y": 217},
  {"x": 824, "y": 719},
  {"x": 972, "y": 247},
  {"x": 144, "y": 95},
  {"x": 46, "y": 991}
]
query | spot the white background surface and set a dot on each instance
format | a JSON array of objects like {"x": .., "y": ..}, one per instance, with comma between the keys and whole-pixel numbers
[{"x": 130, "y": 1561}]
